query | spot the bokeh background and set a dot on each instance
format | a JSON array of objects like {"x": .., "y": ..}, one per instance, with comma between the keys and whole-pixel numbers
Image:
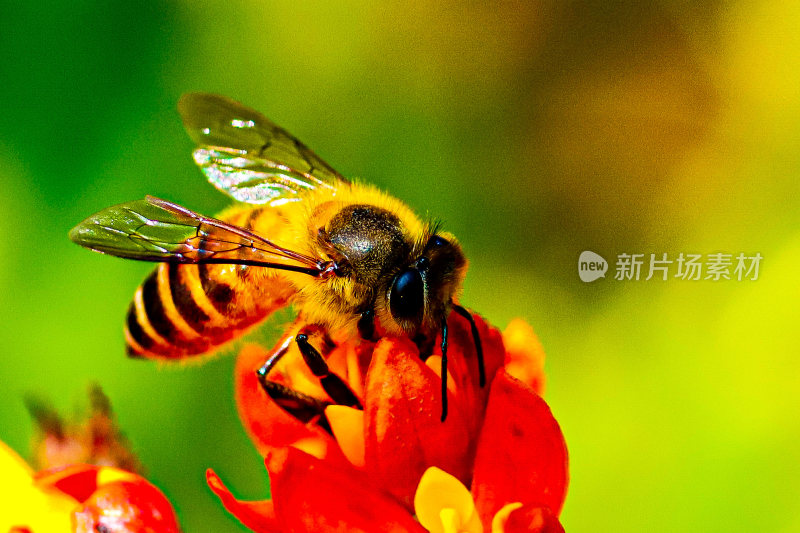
[{"x": 535, "y": 130}]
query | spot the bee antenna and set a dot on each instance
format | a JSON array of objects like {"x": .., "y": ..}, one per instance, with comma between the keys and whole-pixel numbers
[
  {"x": 435, "y": 225},
  {"x": 477, "y": 338},
  {"x": 432, "y": 227},
  {"x": 444, "y": 368}
]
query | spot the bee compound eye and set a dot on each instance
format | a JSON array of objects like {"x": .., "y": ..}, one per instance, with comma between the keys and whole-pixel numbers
[
  {"x": 407, "y": 297},
  {"x": 437, "y": 241}
]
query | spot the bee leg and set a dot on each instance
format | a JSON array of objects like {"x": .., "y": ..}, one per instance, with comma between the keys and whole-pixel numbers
[
  {"x": 477, "y": 338},
  {"x": 444, "y": 369},
  {"x": 333, "y": 384},
  {"x": 303, "y": 407},
  {"x": 274, "y": 358},
  {"x": 366, "y": 324}
]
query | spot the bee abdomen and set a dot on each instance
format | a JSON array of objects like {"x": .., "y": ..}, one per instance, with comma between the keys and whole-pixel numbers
[
  {"x": 190, "y": 309},
  {"x": 179, "y": 311},
  {"x": 155, "y": 325}
]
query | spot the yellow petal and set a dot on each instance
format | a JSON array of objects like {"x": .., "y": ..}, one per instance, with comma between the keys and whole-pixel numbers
[
  {"x": 347, "y": 425},
  {"x": 110, "y": 474},
  {"x": 434, "y": 362},
  {"x": 524, "y": 354},
  {"x": 24, "y": 505},
  {"x": 451, "y": 522},
  {"x": 314, "y": 446},
  {"x": 444, "y": 505},
  {"x": 501, "y": 517}
]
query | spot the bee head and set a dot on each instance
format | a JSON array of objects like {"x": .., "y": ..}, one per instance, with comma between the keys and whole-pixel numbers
[{"x": 419, "y": 293}]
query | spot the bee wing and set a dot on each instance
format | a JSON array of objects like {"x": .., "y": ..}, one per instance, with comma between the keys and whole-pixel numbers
[
  {"x": 157, "y": 230},
  {"x": 247, "y": 156}
]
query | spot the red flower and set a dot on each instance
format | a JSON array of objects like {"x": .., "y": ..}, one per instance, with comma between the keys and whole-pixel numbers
[
  {"x": 112, "y": 499},
  {"x": 79, "y": 499},
  {"x": 69, "y": 495},
  {"x": 500, "y": 439}
]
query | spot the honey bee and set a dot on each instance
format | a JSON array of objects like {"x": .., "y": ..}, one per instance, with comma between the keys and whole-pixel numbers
[{"x": 349, "y": 257}]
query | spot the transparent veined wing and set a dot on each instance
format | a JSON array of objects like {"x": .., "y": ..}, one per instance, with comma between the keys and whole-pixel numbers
[
  {"x": 247, "y": 156},
  {"x": 157, "y": 230}
]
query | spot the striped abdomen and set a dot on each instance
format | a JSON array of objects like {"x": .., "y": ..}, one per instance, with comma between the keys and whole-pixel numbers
[{"x": 187, "y": 309}]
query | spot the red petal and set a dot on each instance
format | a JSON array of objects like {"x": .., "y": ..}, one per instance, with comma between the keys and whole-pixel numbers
[
  {"x": 257, "y": 515},
  {"x": 127, "y": 506},
  {"x": 313, "y": 496},
  {"x": 493, "y": 349},
  {"x": 78, "y": 481},
  {"x": 405, "y": 434},
  {"x": 463, "y": 364},
  {"x": 522, "y": 456},
  {"x": 532, "y": 519},
  {"x": 267, "y": 424}
]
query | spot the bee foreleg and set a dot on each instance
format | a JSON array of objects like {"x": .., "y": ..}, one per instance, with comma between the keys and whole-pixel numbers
[
  {"x": 477, "y": 338},
  {"x": 303, "y": 407},
  {"x": 333, "y": 384},
  {"x": 265, "y": 369}
]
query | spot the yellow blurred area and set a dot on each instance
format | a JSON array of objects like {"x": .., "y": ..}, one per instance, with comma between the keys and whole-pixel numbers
[
  {"x": 28, "y": 507},
  {"x": 533, "y": 130}
]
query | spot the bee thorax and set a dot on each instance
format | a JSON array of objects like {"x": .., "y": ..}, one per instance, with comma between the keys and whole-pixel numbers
[{"x": 369, "y": 241}]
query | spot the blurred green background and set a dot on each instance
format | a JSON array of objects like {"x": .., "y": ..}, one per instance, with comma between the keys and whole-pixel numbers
[{"x": 535, "y": 130}]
